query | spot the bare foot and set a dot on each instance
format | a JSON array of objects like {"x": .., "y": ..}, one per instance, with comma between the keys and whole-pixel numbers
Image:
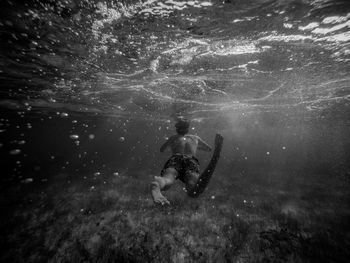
[{"x": 158, "y": 198}]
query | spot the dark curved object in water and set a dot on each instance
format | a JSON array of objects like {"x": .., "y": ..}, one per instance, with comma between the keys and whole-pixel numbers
[{"x": 205, "y": 176}]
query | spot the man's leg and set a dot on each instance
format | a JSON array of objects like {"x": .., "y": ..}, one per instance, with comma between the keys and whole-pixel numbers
[{"x": 162, "y": 183}]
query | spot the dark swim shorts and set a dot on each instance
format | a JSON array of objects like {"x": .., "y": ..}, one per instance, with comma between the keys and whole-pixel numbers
[{"x": 183, "y": 164}]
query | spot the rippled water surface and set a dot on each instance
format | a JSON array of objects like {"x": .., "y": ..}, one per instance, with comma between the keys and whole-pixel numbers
[
  {"x": 124, "y": 58},
  {"x": 90, "y": 90}
]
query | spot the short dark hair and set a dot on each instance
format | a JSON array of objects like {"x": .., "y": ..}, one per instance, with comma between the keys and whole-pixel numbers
[{"x": 182, "y": 126}]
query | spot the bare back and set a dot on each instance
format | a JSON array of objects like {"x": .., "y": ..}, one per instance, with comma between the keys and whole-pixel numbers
[{"x": 186, "y": 144}]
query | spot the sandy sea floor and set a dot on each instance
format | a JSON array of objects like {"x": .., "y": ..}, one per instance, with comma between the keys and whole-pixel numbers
[{"x": 112, "y": 219}]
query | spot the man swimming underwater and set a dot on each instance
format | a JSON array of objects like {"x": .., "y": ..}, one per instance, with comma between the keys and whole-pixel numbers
[{"x": 183, "y": 164}]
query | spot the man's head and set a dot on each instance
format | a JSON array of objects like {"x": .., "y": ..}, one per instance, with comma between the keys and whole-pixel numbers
[{"x": 182, "y": 126}]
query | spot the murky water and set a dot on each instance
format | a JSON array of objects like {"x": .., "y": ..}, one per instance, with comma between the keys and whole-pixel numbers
[{"x": 91, "y": 89}]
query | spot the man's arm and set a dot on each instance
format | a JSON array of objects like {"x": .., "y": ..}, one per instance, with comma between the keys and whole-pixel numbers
[
  {"x": 166, "y": 144},
  {"x": 202, "y": 145}
]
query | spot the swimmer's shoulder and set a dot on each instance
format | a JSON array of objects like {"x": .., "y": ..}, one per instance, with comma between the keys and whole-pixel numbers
[
  {"x": 192, "y": 136},
  {"x": 173, "y": 138}
]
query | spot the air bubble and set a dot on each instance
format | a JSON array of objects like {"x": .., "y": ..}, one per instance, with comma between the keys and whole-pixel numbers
[
  {"x": 27, "y": 181},
  {"x": 74, "y": 136},
  {"x": 15, "y": 151}
]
